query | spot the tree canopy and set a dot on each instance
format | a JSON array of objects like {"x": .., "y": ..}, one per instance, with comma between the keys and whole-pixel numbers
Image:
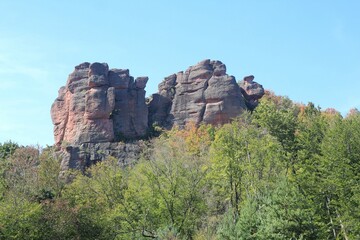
[{"x": 284, "y": 171}]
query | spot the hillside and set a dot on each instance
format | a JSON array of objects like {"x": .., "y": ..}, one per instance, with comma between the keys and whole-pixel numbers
[{"x": 215, "y": 159}]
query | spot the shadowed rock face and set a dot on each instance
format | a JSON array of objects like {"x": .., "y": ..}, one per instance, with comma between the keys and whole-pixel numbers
[
  {"x": 99, "y": 105},
  {"x": 81, "y": 156},
  {"x": 252, "y": 91},
  {"x": 203, "y": 93}
]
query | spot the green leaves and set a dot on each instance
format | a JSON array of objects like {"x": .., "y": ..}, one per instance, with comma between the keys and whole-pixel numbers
[
  {"x": 340, "y": 175},
  {"x": 286, "y": 171},
  {"x": 20, "y": 219},
  {"x": 276, "y": 213},
  {"x": 244, "y": 161},
  {"x": 7, "y": 149},
  {"x": 172, "y": 183},
  {"x": 279, "y": 120}
]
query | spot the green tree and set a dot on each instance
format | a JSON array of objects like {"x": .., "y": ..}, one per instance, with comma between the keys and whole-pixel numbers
[
  {"x": 340, "y": 177},
  {"x": 168, "y": 186},
  {"x": 92, "y": 197},
  {"x": 50, "y": 184},
  {"x": 21, "y": 219},
  {"x": 245, "y": 160},
  {"x": 278, "y": 116},
  {"x": 278, "y": 213},
  {"x": 20, "y": 213},
  {"x": 21, "y": 177},
  {"x": 7, "y": 149},
  {"x": 327, "y": 171}
]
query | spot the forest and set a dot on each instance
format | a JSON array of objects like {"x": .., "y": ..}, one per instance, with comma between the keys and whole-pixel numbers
[{"x": 284, "y": 171}]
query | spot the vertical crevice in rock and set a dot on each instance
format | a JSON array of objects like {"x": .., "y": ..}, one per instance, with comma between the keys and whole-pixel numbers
[
  {"x": 160, "y": 103},
  {"x": 60, "y": 114},
  {"x": 203, "y": 100}
]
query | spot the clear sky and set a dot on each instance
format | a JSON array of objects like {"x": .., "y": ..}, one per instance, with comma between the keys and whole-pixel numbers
[{"x": 305, "y": 49}]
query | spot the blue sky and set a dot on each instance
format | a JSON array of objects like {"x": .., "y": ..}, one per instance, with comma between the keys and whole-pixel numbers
[{"x": 307, "y": 50}]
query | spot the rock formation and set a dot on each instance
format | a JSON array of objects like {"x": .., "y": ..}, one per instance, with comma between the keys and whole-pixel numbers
[
  {"x": 252, "y": 91},
  {"x": 99, "y": 107},
  {"x": 204, "y": 93},
  {"x": 84, "y": 155},
  {"x": 353, "y": 112}
]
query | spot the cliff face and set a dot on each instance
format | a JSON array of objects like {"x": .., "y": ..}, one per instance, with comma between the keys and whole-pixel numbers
[
  {"x": 204, "y": 93},
  {"x": 99, "y": 107}
]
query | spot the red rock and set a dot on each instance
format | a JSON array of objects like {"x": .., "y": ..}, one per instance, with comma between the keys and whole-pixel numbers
[
  {"x": 252, "y": 91},
  {"x": 99, "y": 107},
  {"x": 203, "y": 93},
  {"x": 353, "y": 112},
  {"x": 89, "y": 108}
]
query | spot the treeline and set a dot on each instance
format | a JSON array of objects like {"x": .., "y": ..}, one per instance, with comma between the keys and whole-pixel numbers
[{"x": 285, "y": 171}]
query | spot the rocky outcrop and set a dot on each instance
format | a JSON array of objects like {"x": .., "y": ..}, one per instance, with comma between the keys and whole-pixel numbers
[
  {"x": 101, "y": 109},
  {"x": 160, "y": 103},
  {"x": 353, "y": 112},
  {"x": 100, "y": 105},
  {"x": 252, "y": 91},
  {"x": 84, "y": 155},
  {"x": 204, "y": 93}
]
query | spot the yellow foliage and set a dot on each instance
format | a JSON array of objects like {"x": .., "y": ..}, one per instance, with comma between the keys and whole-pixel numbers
[{"x": 195, "y": 138}]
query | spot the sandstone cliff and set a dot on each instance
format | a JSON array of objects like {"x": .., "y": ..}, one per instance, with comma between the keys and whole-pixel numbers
[
  {"x": 204, "y": 93},
  {"x": 98, "y": 108},
  {"x": 100, "y": 105}
]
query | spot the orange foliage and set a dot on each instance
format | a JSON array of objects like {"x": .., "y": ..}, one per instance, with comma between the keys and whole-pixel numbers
[{"x": 195, "y": 139}]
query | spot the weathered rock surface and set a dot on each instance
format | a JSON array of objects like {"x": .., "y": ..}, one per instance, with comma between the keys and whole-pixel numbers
[
  {"x": 204, "y": 93},
  {"x": 252, "y": 91},
  {"x": 160, "y": 103},
  {"x": 84, "y": 155},
  {"x": 100, "y": 105}
]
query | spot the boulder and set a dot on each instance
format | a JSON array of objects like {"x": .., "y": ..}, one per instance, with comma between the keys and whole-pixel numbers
[{"x": 252, "y": 91}]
